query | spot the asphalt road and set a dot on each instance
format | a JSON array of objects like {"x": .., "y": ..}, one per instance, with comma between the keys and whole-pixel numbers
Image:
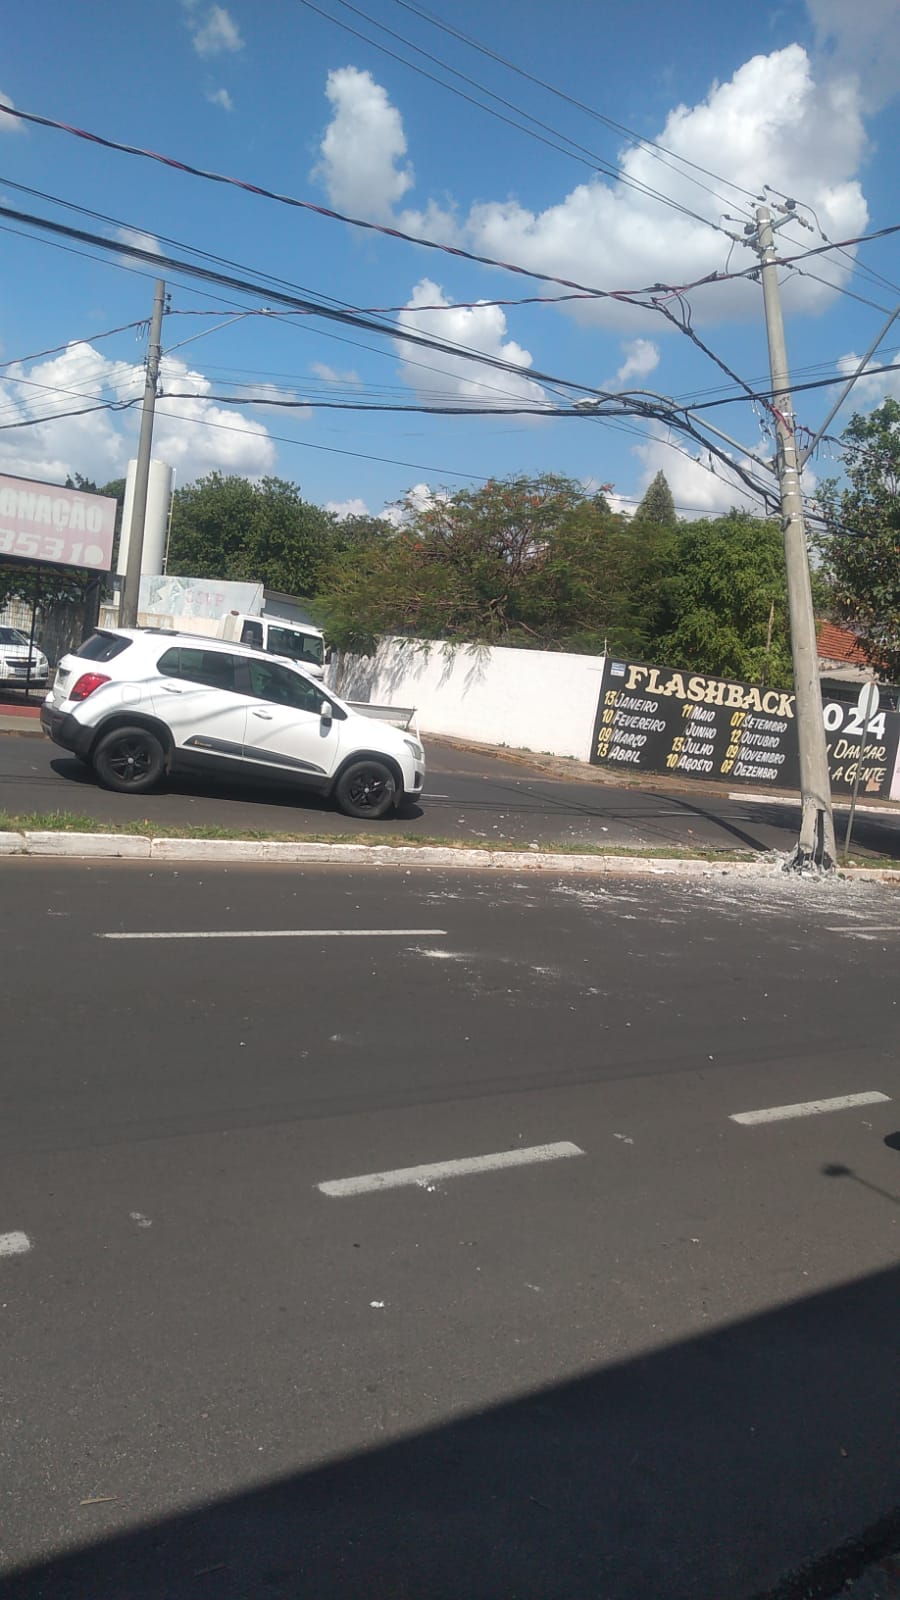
[
  {"x": 468, "y": 795},
  {"x": 664, "y": 1365}
]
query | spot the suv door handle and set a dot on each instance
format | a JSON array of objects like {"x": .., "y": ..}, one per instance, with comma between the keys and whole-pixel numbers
[
  {"x": 266, "y": 715},
  {"x": 171, "y": 689}
]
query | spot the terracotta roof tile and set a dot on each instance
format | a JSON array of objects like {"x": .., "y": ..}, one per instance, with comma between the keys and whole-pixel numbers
[{"x": 839, "y": 644}]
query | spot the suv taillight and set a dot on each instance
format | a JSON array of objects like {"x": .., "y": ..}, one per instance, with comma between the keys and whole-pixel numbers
[{"x": 87, "y": 683}]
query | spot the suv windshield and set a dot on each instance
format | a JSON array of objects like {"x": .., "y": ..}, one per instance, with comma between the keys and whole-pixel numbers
[{"x": 296, "y": 646}]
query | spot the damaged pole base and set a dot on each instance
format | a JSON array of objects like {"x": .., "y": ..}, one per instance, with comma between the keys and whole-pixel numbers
[
  {"x": 806, "y": 861},
  {"x": 815, "y": 851}
]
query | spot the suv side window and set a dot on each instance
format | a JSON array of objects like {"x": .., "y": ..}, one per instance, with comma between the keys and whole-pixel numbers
[
  {"x": 214, "y": 668},
  {"x": 268, "y": 681}
]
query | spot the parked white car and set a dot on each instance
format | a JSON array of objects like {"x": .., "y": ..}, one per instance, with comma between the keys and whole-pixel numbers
[
  {"x": 138, "y": 703},
  {"x": 14, "y": 660}
]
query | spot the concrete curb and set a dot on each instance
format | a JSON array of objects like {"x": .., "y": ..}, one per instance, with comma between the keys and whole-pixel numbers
[{"x": 134, "y": 847}]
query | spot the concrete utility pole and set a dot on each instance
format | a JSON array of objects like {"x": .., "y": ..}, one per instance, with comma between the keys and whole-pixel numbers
[
  {"x": 816, "y": 845},
  {"x": 128, "y": 605}
]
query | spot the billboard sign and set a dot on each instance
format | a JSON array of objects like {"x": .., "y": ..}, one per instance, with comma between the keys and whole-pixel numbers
[
  {"x": 185, "y": 598},
  {"x": 44, "y": 522},
  {"x": 691, "y": 725}
]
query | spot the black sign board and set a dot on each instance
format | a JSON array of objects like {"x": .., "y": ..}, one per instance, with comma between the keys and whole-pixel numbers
[{"x": 654, "y": 719}]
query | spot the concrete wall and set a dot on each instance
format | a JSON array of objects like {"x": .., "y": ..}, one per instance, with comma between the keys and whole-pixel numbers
[{"x": 530, "y": 699}]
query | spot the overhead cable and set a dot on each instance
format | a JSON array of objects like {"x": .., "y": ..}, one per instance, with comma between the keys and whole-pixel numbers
[
  {"x": 652, "y": 146},
  {"x": 578, "y": 152}
]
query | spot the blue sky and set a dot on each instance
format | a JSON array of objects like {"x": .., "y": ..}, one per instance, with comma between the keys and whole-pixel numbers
[{"x": 796, "y": 95}]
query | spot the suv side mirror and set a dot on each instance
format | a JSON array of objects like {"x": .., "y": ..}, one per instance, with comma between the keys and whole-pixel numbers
[{"x": 326, "y": 711}]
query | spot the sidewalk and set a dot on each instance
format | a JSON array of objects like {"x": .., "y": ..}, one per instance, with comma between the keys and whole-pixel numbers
[{"x": 22, "y": 719}]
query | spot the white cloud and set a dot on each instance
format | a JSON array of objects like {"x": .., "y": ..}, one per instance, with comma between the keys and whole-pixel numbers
[
  {"x": 362, "y": 147},
  {"x": 701, "y": 484},
  {"x": 213, "y": 30},
  {"x": 863, "y": 40},
  {"x": 867, "y": 392},
  {"x": 457, "y": 378},
  {"x": 321, "y": 369},
  {"x": 774, "y": 121},
  {"x": 419, "y": 498},
  {"x": 770, "y": 123},
  {"x": 641, "y": 358},
  {"x": 141, "y": 240},
  {"x": 220, "y": 97},
  {"x": 194, "y": 435},
  {"x": 347, "y": 508},
  {"x": 9, "y": 124}
]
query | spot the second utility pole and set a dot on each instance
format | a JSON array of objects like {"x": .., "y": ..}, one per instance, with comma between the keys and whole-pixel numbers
[
  {"x": 816, "y": 846},
  {"x": 128, "y": 608}
]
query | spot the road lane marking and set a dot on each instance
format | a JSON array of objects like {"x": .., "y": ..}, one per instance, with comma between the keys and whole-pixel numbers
[
  {"x": 291, "y": 933},
  {"x": 436, "y": 1170},
  {"x": 809, "y": 1108},
  {"x": 864, "y": 930},
  {"x": 14, "y": 1244}
]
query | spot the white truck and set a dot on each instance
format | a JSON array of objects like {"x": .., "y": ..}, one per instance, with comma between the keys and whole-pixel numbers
[{"x": 291, "y": 641}]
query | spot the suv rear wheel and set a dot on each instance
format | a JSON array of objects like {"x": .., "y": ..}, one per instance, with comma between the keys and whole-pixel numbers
[
  {"x": 129, "y": 760},
  {"x": 366, "y": 789}
]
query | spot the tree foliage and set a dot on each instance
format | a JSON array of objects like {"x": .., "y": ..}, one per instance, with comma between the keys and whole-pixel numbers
[
  {"x": 228, "y": 527},
  {"x": 525, "y": 561},
  {"x": 657, "y": 506},
  {"x": 861, "y": 545},
  {"x": 538, "y": 562},
  {"x": 721, "y": 605}
]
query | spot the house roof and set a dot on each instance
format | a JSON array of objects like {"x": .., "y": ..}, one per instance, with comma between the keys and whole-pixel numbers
[{"x": 839, "y": 644}]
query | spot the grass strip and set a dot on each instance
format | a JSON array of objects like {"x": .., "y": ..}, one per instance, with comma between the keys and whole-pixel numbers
[{"x": 146, "y": 828}]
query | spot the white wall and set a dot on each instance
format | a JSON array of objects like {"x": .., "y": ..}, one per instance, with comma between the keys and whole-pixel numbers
[{"x": 529, "y": 699}]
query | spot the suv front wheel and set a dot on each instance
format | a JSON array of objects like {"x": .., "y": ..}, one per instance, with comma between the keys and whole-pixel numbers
[
  {"x": 366, "y": 789},
  {"x": 129, "y": 760}
]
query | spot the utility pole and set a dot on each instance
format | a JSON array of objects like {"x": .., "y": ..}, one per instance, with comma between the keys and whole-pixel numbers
[
  {"x": 128, "y": 605},
  {"x": 816, "y": 845}
]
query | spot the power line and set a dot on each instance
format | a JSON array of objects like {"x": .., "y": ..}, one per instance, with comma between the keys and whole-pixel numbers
[
  {"x": 291, "y": 200},
  {"x": 637, "y": 407},
  {"x": 309, "y": 308},
  {"x": 578, "y": 152},
  {"x": 644, "y": 298},
  {"x": 56, "y": 349},
  {"x": 285, "y": 318},
  {"x": 652, "y": 146},
  {"x": 404, "y": 333},
  {"x": 60, "y": 416}
]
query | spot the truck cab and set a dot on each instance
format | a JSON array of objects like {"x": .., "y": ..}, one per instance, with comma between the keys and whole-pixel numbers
[{"x": 291, "y": 641}]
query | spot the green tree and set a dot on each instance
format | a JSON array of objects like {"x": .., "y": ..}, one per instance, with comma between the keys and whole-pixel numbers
[
  {"x": 657, "y": 506},
  {"x": 861, "y": 544},
  {"x": 722, "y": 606},
  {"x": 524, "y": 561},
  {"x": 228, "y": 527}
]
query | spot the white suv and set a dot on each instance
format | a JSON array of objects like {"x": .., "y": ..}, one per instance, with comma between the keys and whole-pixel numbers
[{"x": 137, "y": 703}]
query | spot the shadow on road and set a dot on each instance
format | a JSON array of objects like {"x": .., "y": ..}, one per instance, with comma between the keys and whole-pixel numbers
[
  {"x": 242, "y": 790},
  {"x": 706, "y": 1470}
]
